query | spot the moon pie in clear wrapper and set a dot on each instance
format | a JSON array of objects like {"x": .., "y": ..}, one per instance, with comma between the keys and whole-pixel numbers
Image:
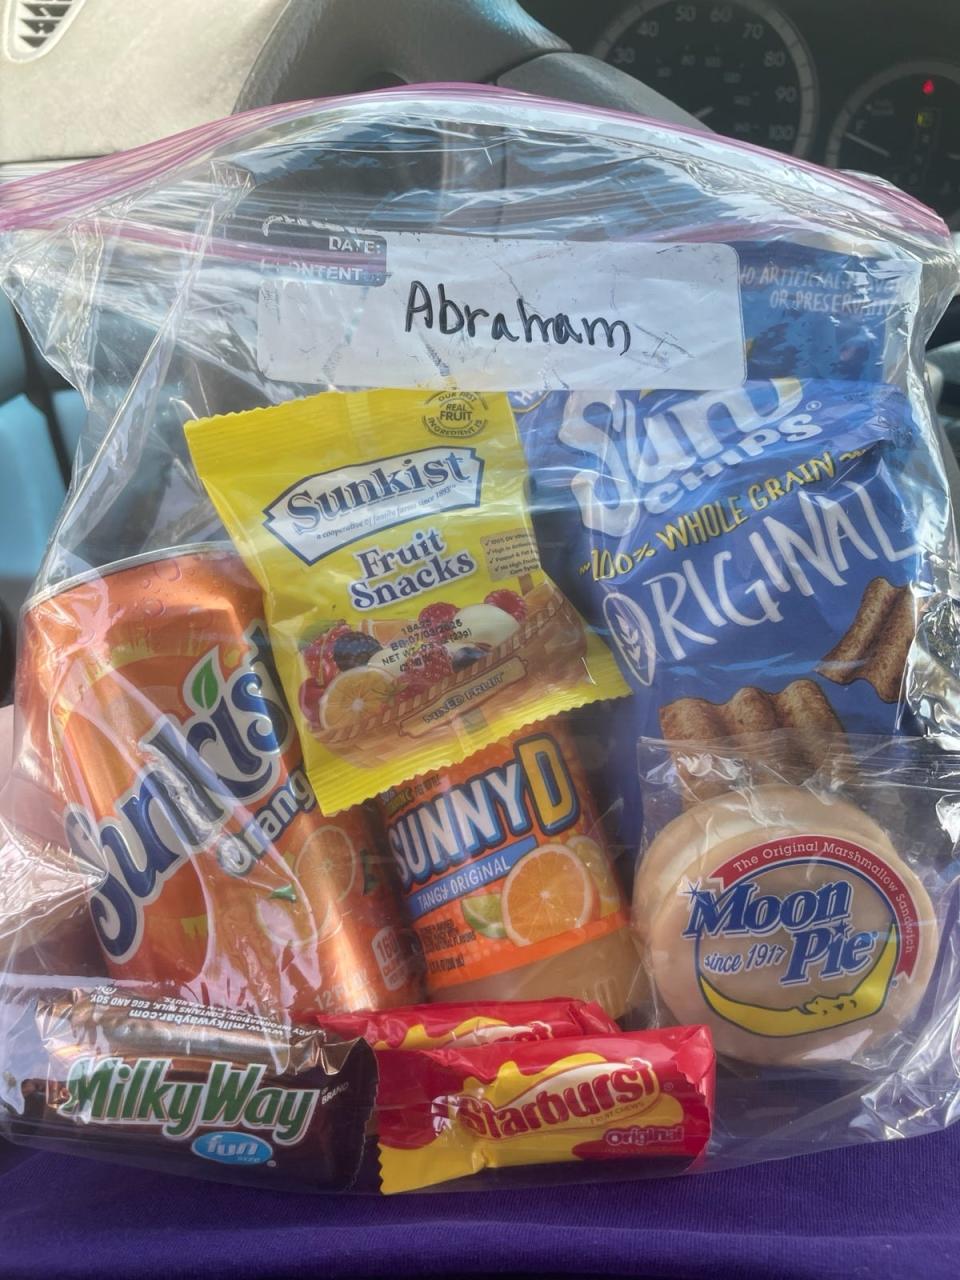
[
  {"x": 787, "y": 923},
  {"x": 410, "y": 619}
]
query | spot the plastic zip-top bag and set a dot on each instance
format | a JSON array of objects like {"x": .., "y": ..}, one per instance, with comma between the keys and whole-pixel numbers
[{"x": 576, "y": 393}]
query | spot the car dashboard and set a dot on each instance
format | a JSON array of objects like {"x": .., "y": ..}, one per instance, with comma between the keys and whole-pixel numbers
[{"x": 865, "y": 85}]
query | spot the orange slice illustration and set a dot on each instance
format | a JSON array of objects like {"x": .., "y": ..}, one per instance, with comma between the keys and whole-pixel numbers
[
  {"x": 327, "y": 865},
  {"x": 547, "y": 893},
  {"x": 604, "y": 877},
  {"x": 353, "y": 694}
]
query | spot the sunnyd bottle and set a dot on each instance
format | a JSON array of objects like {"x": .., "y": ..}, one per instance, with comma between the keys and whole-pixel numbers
[{"x": 506, "y": 877}]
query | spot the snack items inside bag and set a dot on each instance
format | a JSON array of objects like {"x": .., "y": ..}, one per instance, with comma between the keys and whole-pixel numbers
[
  {"x": 699, "y": 602},
  {"x": 447, "y": 1113},
  {"x": 410, "y": 619}
]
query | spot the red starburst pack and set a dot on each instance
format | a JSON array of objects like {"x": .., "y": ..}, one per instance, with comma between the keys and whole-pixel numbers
[{"x": 446, "y": 1113}]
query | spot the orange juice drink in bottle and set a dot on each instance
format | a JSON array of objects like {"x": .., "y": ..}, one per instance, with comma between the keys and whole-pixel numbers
[
  {"x": 151, "y": 707},
  {"x": 506, "y": 876}
]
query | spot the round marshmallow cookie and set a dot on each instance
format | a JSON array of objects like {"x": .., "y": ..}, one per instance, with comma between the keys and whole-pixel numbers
[
  {"x": 680, "y": 845},
  {"x": 786, "y": 922}
]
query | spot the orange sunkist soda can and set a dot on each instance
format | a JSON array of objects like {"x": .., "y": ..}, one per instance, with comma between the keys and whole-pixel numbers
[
  {"x": 505, "y": 875},
  {"x": 151, "y": 704}
]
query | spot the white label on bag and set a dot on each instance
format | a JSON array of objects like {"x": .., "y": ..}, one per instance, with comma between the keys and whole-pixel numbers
[{"x": 522, "y": 315}]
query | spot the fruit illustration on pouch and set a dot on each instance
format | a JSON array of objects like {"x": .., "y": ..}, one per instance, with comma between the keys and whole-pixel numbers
[
  {"x": 427, "y": 665},
  {"x": 318, "y": 654},
  {"x": 465, "y": 655},
  {"x": 437, "y": 619},
  {"x": 353, "y": 649},
  {"x": 403, "y": 659},
  {"x": 354, "y": 693},
  {"x": 509, "y": 601},
  {"x": 485, "y": 624},
  {"x": 311, "y": 693},
  {"x": 390, "y": 658}
]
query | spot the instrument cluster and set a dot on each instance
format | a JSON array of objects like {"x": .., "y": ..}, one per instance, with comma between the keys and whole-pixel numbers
[{"x": 869, "y": 85}]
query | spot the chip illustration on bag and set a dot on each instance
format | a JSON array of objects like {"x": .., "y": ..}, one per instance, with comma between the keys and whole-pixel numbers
[{"x": 759, "y": 558}]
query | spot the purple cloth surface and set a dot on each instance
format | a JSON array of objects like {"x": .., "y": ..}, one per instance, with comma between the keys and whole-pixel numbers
[{"x": 883, "y": 1211}]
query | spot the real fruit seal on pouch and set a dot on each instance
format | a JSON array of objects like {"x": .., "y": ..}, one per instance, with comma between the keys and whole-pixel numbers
[{"x": 488, "y": 713}]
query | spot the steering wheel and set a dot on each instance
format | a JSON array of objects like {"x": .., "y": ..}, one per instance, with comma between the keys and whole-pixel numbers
[{"x": 181, "y": 63}]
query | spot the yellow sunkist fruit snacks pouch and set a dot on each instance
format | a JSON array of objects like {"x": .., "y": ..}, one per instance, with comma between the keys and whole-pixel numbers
[{"x": 411, "y": 621}]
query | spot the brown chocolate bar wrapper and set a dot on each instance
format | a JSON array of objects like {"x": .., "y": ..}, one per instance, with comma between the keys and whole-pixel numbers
[
  {"x": 219, "y": 1095},
  {"x": 108, "y": 1019}
]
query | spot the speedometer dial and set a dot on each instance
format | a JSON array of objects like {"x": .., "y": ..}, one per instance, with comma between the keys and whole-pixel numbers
[
  {"x": 905, "y": 126},
  {"x": 742, "y": 68}
]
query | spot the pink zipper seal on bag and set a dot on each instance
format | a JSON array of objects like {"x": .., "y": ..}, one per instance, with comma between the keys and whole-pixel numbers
[{"x": 94, "y": 182}]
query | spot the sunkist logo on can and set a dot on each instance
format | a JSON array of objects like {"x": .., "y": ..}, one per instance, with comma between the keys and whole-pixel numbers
[
  {"x": 804, "y": 938},
  {"x": 225, "y": 757},
  {"x": 109, "y": 1090}
]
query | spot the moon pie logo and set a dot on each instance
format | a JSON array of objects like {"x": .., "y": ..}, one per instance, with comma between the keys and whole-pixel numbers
[{"x": 836, "y": 939}]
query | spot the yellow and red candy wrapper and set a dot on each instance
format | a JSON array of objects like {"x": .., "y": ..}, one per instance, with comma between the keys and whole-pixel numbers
[
  {"x": 431, "y": 1026},
  {"x": 446, "y": 1113}
]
